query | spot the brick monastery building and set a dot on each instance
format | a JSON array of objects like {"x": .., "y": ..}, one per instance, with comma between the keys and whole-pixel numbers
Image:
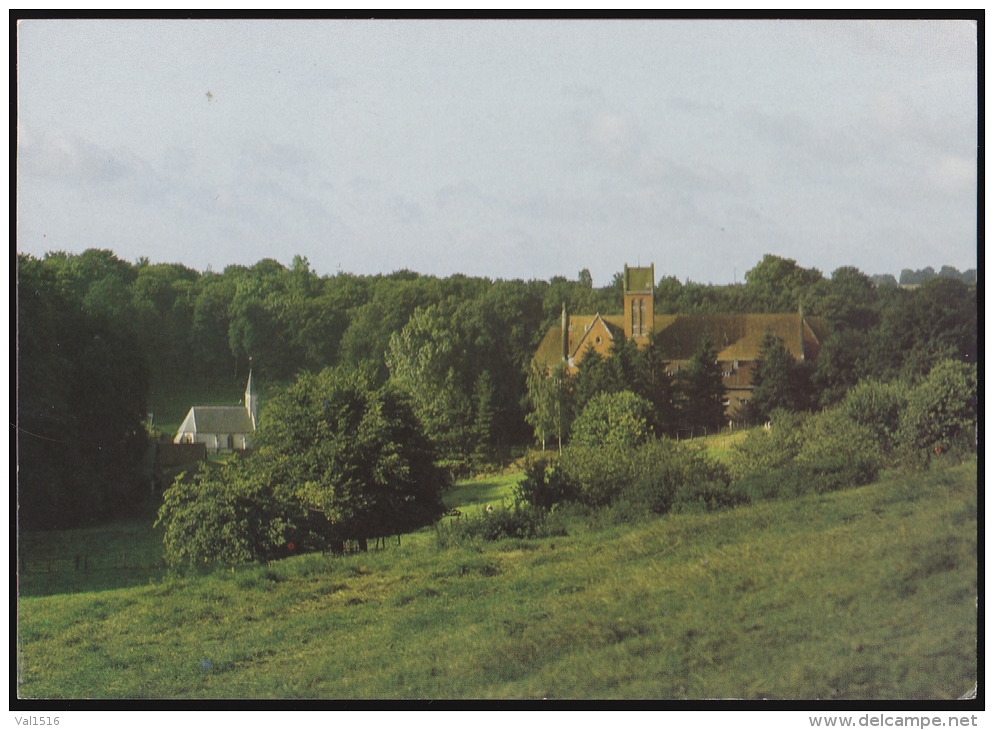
[{"x": 737, "y": 337}]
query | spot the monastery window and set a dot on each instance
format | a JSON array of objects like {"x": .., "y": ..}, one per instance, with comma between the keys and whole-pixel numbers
[
  {"x": 726, "y": 401},
  {"x": 598, "y": 340}
]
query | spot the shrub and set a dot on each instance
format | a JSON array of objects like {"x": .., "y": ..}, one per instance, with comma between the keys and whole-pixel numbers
[
  {"x": 821, "y": 453},
  {"x": 648, "y": 479},
  {"x": 544, "y": 486},
  {"x": 669, "y": 475},
  {"x": 225, "y": 515},
  {"x": 877, "y": 406},
  {"x": 613, "y": 419},
  {"x": 520, "y": 521},
  {"x": 766, "y": 450},
  {"x": 798, "y": 479},
  {"x": 941, "y": 410},
  {"x": 598, "y": 473},
  {"x": 832, "y": 437}
]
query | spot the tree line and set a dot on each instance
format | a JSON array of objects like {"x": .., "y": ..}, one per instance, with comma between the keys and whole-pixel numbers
[{"x": 99, "y": 336}]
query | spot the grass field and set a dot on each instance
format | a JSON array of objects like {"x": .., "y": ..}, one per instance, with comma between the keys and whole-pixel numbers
[
  {"x": 473, "y": 495},
  {"x": 866, "y": 593}
]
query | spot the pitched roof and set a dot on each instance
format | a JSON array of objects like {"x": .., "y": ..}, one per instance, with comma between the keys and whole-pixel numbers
[
  {"x": 578, "y": 336},
  {"x": 217, "y": 419},
  {"x": 550, "y": 349},
  {"x": 736, "y": 337}
]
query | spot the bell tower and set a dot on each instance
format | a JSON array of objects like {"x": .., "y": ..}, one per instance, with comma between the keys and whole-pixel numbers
[{"x": 638, "y": 312}]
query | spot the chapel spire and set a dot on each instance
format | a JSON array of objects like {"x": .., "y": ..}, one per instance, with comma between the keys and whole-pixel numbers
[{"x": 251, "y": 402}]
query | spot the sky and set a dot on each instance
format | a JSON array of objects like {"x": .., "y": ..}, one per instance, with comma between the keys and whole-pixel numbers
[{"x": 505, "y": 149}]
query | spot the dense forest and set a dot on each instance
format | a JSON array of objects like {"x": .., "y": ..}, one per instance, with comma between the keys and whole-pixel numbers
[{"x": 99, "y": 337}]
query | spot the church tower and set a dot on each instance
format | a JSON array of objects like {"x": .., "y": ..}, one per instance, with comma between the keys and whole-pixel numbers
[
  {"x": 252, "y": 402},
  {"x": 639, "y": 284}
]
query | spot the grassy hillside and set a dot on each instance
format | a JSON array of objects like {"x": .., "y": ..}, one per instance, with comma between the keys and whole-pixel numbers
[{"x": 868, "y": 593}]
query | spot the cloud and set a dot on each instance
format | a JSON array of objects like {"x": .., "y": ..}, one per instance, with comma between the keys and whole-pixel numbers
[
  {"x": 73, "y": 160},
  {"x": 952, "y": 173}
]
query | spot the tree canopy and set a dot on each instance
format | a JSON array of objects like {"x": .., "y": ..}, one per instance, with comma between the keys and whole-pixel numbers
[
  {"x": 339, "y": 459},
  {"x": 82, "y": 389}
]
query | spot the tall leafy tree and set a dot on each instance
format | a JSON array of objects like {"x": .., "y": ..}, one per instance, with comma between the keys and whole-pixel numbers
[
  {"x": 483, "y": 421},
  {"x": 424, "y": 360},
  {"x": 642, "y": 370},
  {"x": 353, "y": 452},
  {"x": 777, "y": 284},
  {"x": 551, "y": 408},
  {"x": 338, "y": 459},
  {"x": 82, "y": 389},
  {"x": 595, "y": 375},
  {"x": 779, "y": 381},
  {"x": 701, "y": 389}
]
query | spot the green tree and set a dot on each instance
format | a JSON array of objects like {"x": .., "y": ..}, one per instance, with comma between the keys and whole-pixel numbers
[
  {"x": 878, "y": 407},
  {"x": 338, "y": 459},
  {"x": 355, "y": 453},
  {"x": 231, "y": 514},
  {"x": 82, "y": 390},
  {"x": 613, "y": 419},
  {"x": 483, "y": 421},
  {"x": 779, "y": 381},
  {"x": 595, "y": 375},
  {"x": 642, "y": 370},
  {"x": 777, "y": 284},
  {"x": 701, "y": 389},
  {"x": 942, "y": 409},
  {"x": 550, "y": 398},
  {"x": 424, "y": 360}
]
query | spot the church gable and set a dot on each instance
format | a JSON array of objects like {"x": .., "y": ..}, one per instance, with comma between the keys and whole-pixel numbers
[
  {"x": 222, "y": 428},
  {"x": 598, "y": 335}
]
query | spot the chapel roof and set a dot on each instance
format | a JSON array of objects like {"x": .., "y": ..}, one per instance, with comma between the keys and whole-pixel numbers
[{"x": 217, "y": 419}]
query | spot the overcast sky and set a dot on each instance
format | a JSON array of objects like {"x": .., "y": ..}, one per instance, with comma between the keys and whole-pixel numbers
[{"x": 506, "y": 149}]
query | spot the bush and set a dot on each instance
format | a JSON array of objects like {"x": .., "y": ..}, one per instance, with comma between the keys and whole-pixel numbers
[
  {"x": 766, "y": 450},
  {"x": 878, "y": 407},
  {"x": 941, "y": 410},
  {"x": 832, "y": 437},
  {"x": 798, "y": 479},
  {"x": 520, "y": 521},
  {"x": 609, "y": 419},
  {"x": 544, "y": 486},
  {"x": 817, "y": 454},
  {"x": 224, "y": 515},
  {"x": 598, "y": 473},
  {"x": 671, "y": 476},
  {"x": 648, "y": 479}
]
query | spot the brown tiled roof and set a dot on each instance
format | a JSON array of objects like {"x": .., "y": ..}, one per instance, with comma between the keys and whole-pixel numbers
[
  {"x": 736, "y": 337},
  {"x": 550, "y": 349}
]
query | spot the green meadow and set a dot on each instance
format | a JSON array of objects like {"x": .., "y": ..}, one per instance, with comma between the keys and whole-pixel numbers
[{"x": 864, "y": 593}]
